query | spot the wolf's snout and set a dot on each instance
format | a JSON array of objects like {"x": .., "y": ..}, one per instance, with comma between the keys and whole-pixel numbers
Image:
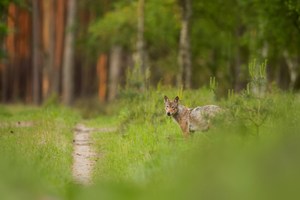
[{"x": 169, "y": 114}]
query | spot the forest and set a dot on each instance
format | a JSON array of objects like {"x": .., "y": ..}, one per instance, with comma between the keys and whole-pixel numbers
[
  {"x": 71, "y": 50},
  {"x": 88, "y": 90}
]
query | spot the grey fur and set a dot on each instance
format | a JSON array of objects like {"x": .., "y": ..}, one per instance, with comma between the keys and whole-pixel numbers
[{"x": 191, "y": 119}]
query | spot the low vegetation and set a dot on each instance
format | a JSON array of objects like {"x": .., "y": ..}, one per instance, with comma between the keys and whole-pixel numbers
[
  {"x": 251, "y": 151},
  {"x": 36, "y": 151}
]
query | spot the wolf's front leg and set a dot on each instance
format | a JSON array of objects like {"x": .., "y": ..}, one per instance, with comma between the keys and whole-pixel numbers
[{"x": 185, "y": 129}]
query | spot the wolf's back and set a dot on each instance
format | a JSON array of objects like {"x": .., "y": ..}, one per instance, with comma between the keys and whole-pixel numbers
[{"x": 205, "y": 111}]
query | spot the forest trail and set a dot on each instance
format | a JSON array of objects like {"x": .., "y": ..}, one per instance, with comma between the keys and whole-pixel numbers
[{"x": 84, "y": 155}]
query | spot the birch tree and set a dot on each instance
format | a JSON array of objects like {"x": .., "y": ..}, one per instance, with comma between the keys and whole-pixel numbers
[
  {"x": 68, "y": 61},
  {"x": 184, "y": 55}
]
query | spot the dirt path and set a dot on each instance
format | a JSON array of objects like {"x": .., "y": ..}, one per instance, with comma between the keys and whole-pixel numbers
[{"x": 84, "y": 156}]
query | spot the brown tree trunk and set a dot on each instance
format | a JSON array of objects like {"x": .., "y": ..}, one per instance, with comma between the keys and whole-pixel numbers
[
  {"x": 59, "y": 40},
  {"x": 20, "y": 57},
  {"x": 184, "y": 56},
  {"x": 68, "y": 64},
  {"x": 102, "y": 76},
  {"x": 15, "y": 62},
  {"x": 3, "y": 65},
  {"x": 48, "y": 46},
  {"x": 11, "y": 52},
  {"x": 114, "y": 71},
  {"x": 237, "y": 70},
  {"x": 36, "y": 35},
  {"x": 25, "y": 65}
]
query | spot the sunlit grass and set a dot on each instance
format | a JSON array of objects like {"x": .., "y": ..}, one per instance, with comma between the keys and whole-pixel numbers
[
  {"x": 230, "y": 161},
  {"x": 146, "y": 157},
  {"x": 36, "y": 151}
]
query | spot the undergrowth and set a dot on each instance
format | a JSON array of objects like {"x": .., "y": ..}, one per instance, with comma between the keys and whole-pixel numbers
[
  {"x": 233, "y": 159},
  {"x": 36, "y": 151},
  {"x": 251, "y": 152}
]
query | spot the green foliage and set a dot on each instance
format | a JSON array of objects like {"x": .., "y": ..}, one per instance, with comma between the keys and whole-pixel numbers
[
  {"x": 213, "y": 84},
  {"x": 249, "y": 151},
  {"x": 36, "y": 149},
  {"x": 148, "y": 140},
  {"x": 253, "y": 106},
  {"x": 116, "y": 28},
  {"x": 258, "y": 82},
  {"x": 135, "y": 79},
  {"x": 232, "y": 160},
  {"x": 119, "y": 27},
  {"x": 246, "y": 29}
]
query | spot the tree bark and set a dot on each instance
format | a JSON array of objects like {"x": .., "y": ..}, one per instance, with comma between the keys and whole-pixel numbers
[
  {"x": 292, "y": 67},
  {"x": 184, "y": 56},
  {"x": 48, "y": 46},
  {"x": 59, "y": 40},
  {"x": 11, "y": 52},
  {"x": 114, "y": 71},
  {"x": 51, "y": 51},
  {"x": 140, "y": 62},
  {"x": 36, "y": 35},
  {"x": 102, "y": 76},
  {"x": 3, "y": 64},
  {"x": 68, "y": 62}
]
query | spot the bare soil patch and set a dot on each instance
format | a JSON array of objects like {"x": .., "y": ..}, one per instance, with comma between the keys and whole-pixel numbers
[{"x": 84, "y": 155}]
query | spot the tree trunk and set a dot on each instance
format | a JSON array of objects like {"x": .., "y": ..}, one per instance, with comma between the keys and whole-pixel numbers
[
  {"x": 140, "y": 62},
  {"x": 102, "y": 76},
  {"x": 237, "y": 69},
  {"x": 51, "y": 50},
  {"x": 184, "y": 56},
  {"x": 3, "y": 65},
  {"x": 292, "y": 67},
  {"x": 36, "y": 31},
  {"x": 68, "y": 64},
  {"x": 48, "y": 45},
  {"x": 59, "y": 40},
  {"x": 11, "y": 52},
  {"x": 114, "y": 71},
  {"x": 25, "y": 55}
]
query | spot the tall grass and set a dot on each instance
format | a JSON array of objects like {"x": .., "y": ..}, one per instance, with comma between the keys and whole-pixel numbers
[
  {"x": 36, "y": 151},
  {"x": 250, "y": 153}
]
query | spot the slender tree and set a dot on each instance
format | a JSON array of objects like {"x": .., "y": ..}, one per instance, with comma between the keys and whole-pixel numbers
[
  {"x": 102, "y": 76},
  {"x": 114, "y": 71},
  {"x": 36, "y": 35},
  {"x": 184, "y": 56},
  {"x": 68, "y": 61},
  {"x": 140, "y": 63},
  {"x": 3, "y": 64},
  {"x": 59, "y": 41}
]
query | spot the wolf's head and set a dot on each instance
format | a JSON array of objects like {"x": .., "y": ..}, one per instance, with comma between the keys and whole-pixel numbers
[{"x": 171, "y": 106}]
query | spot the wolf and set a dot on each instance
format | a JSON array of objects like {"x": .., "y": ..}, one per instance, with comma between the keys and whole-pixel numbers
[{"x": 191, "y": 119}]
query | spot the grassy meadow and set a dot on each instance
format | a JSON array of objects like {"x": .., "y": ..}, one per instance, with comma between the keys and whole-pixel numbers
[
  {"x": 36, "y": 151},
  {"x": 252, "y": 151}
]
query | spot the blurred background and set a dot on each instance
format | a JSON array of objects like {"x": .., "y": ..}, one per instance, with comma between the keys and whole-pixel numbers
[
  {"x": 113, "y": 61},
  {"x": 74, "y": 49}
]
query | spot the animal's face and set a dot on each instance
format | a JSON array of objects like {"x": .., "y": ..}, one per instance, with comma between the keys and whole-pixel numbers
[{"x": 171, "y": 107}]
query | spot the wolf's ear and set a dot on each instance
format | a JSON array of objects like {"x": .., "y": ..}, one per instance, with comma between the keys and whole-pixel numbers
[
  {"x": 166, "y": 99},
  {"x": 176, "y": 99}
]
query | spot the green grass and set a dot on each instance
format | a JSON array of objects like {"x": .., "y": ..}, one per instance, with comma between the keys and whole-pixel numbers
[
  {"x": 35, "y": 161},
  {"x": 232, "y": 160},
  {"x": 252, "y": 152}
]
